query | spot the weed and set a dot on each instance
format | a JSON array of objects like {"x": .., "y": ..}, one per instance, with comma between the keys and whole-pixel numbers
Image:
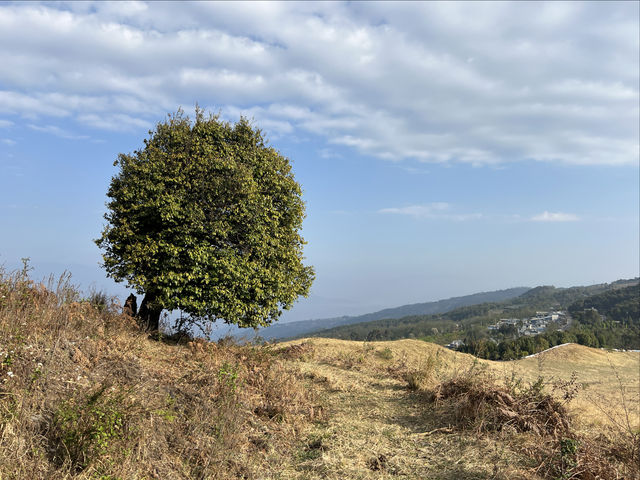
[
  {"x": 228, "y": 376},
  {"x": 350, "y": 359},
  {"x": 313, "y": 448},
  {"x": 422, "y": 377},
  {"x": 367, "y": 347},
  {"x": 89, "y": 427},
  {"x": 568, "y": 452},
  {"x": 99, "y": 300},
  {"x": 385, "y": 354}
]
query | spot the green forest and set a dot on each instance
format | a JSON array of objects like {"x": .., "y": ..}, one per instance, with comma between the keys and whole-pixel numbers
[{"x": 604, "y": 315}]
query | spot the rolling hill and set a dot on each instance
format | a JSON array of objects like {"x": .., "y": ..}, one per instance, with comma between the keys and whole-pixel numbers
[
  {"x": 305, "y": 327},
  {"x": 470, "y": 321}
]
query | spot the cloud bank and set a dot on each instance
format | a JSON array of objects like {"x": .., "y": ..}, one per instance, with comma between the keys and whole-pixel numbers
[
  {"x": 478, "y": 83},
  {"x": 555, "y": 217},
  {"x": 435, "y": 211},
  {"x": 443, "y": 211}
]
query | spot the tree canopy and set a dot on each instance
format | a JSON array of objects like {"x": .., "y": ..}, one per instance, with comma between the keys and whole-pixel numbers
[{"x": 206, "y": 218}]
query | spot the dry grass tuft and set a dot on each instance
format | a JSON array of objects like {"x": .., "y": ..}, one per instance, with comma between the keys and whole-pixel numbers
[
  {"x": 298, "y": 351},
  {"x": 477, "y": 402},
  {"x": 474, "y": 401}
]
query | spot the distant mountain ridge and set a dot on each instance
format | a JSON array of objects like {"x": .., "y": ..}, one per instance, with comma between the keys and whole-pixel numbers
[
  {"x": 469, "y": 321},
  {"x": 295, "y": 329}
]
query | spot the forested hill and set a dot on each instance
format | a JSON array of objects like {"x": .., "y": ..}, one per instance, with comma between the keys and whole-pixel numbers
[
  {"x": 620, "y": 306},
  {"x": 470, "y": 322},
  {"x": 549, "y": 296},
  {"x": 296, "y": 329},
  {"x": 610, "y": 319}
]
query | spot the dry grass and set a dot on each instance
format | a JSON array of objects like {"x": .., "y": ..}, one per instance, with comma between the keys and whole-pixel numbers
[
  {"x": 609, "y": 382},
  {"x": 376, "y": 427},
  {"x": 85, "y": 394}
]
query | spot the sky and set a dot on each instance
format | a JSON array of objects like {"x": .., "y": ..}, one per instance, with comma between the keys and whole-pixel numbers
[{"x": 443, "y": 148}]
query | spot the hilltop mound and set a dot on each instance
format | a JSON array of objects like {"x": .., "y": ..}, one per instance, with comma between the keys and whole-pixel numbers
[{"x": 574, "y": 353}]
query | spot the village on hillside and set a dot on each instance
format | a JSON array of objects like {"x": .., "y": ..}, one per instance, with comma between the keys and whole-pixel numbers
[
  {"x": 534, "y": 325},
  {"x": 519, "y": 327}
]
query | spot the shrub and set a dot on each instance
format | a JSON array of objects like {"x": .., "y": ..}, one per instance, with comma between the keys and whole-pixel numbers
[
  {"x": 385, "y": 354},
  {"x": 90, "y": 426}
]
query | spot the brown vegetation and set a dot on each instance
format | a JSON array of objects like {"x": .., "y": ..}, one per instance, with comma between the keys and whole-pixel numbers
[
  {"x": 85, "y": 394},
  {"x": 475, "y": 401}
]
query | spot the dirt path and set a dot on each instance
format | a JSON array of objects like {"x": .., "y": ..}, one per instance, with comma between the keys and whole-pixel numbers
[{"x": 375, "y": 428}]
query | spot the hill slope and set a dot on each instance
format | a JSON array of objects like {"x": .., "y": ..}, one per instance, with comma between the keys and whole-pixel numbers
[
  {"x": 471, "y": 321},
  {"x": 301, "y": 328},
  {"x": 379, "y": 429},
  {"x": 85, "y": 394}
]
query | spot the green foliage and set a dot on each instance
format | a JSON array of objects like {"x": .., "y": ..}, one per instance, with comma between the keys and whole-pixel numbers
[
  {"x": 206, "y": 218},
  {"x": 615, "y": 323},
  {"x": 89, "y": 427},
  {"x": 619, "y": 306},
  {"x": 228, "y": 376},
  {"x": 568, "y": 456},
  {"x": 385, "y": 354}
]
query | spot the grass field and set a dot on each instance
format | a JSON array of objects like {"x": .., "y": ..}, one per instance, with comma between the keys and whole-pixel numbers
[
  {"x": 376, "y": 428},
  {"x": 85, "y": 394}
]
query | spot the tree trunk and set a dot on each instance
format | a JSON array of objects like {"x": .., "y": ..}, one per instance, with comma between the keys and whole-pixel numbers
[{"x": 149, "y": 313}]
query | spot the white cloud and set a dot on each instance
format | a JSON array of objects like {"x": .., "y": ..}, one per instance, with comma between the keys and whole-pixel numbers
[
  {"x": 327, "y": 153},
  {"x": 443, "y": 211},
  {"x": 57, "y": 131},
  {"x": 418, "y": 210},
  {"x": 8, "y": 141},
  {"x": 480, "y": 83},
  {"x": 116, "y": 122},
  {"x": 5, "y": 123},
  {"x": 555, "y": 217},
  {"x": 436, "y": 211}
]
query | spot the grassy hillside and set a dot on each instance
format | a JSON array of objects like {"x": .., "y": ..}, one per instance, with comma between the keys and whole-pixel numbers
[
  {"x": 84, "y": 394},
  {"x": 378, "y": 428}
]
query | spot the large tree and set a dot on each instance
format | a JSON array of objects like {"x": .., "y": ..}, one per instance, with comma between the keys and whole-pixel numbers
[{"x": 206, "y": 218}]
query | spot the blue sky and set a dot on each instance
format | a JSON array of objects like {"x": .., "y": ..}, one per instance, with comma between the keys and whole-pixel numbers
[{"x": 443, "y": 148}]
